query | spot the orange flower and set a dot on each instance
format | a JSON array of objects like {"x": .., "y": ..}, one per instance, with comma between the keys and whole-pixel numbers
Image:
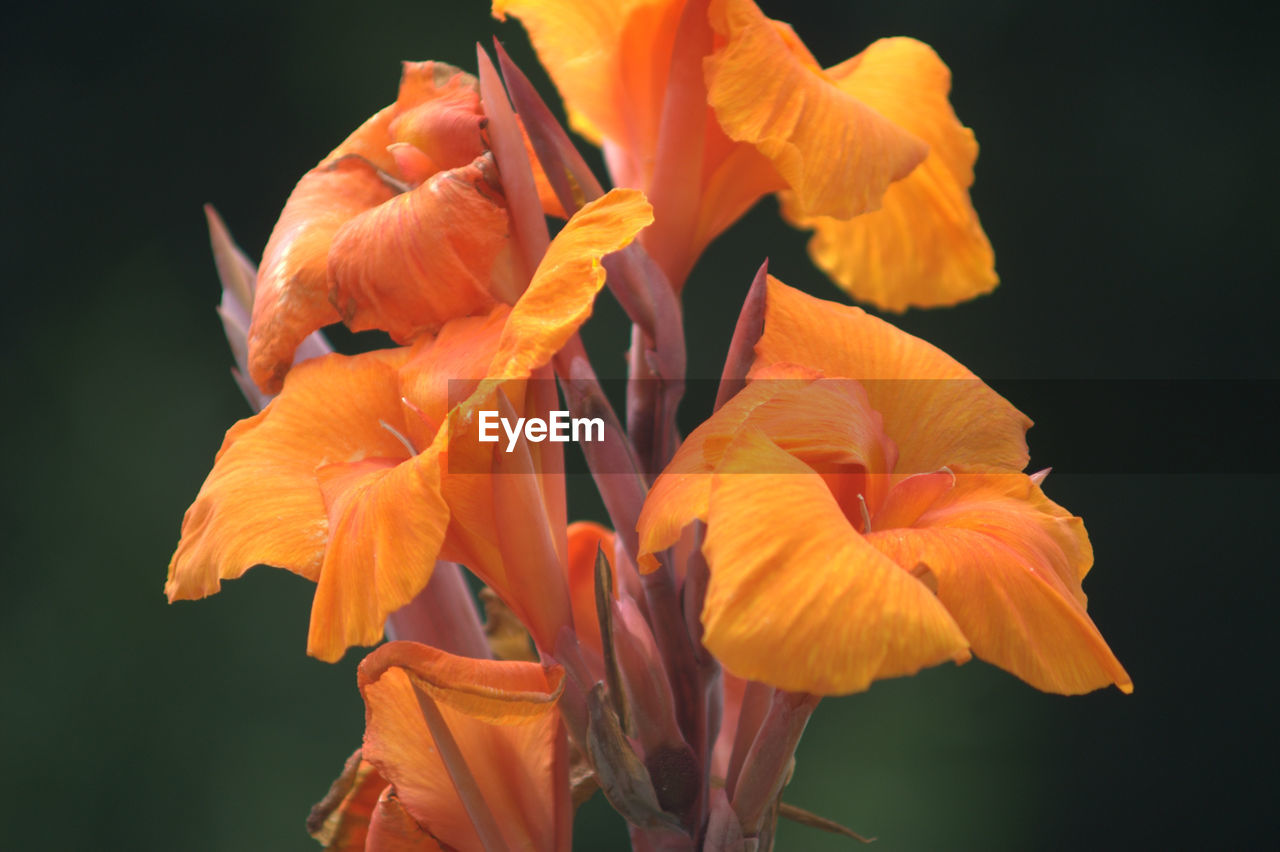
[
  {"x": 867, "y": 516},
  {"x": 473, "y": 753},
  {"x": 402, "y": 227},
  {"x": 340, "y": 479},
  {"x": 707, "y": 106}
]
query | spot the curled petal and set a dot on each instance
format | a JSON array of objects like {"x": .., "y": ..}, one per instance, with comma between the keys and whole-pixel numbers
[
  {"x": 504, "y": 721},
  {"x": 559, "y": 298},
  {"x": 261, "y": 503},
  {"x": 423, "y": 257},
  {"x": 1007, "y": 563},
  {"x": 798, "y": 599},
  {"x": 585, "y": 539},
  {"x": 340, "y": 822},
  {"x": 323, "y": 484},
  {"x": 937, "y": 411},
  {"x": 438, "y": 112},
  {"x": 292, "y": 297},
  {"x": 836, "y": 153},
  {"x": 924, "y": 246}
]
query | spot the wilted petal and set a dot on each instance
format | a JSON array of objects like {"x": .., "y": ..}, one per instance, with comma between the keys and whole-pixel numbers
[
  {"x": 425, "y": 256},
  {"x": 836, "y": 153},
  {"x": 1007, "y": 561},
  {"x": 798, "y": 599},
  {"x": 924, "y": 246},
  {"x": 292, "y": 298},
  {"x": 937, "y": 411},
  {"x": 340, "y": 822},
  {"x": 438, "y": 112},
  {"x": 504, "y": 719}
]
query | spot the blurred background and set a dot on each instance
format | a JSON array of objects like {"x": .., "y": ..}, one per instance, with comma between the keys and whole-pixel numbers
[{"x": 1127, "y": 181}]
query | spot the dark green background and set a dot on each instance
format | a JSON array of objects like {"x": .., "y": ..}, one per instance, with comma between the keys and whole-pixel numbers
[{"x": 1127, "y": 181}]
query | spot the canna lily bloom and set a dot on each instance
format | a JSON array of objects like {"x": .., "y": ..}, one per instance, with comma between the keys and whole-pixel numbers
[
  {"x": 402, "y": 227},
  {"x": 341, "y": 479},
  {"x": 707, "y": 105},
  {"x": 458, "y": 754},
  {"x": 866, "y": 516}
]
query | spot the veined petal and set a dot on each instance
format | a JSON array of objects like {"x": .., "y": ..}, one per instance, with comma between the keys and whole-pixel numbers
[
  {"x": 924, "y": 246},
  {"x": 425, "y": 256},
  {"x": 797, "y": 598},
  {"x": 1007, "y": 563},
  {"x": 292, "y": 297},
  {"x": 836, "y": 153},
  {"x": 608, "y": 59},
  {"x": 560, "y": 296},
  {"x": 503, "y": 718},
  {"x": 387, "y": 521},
  {"x": 261, "y": 503},
  {"x": 937, "y": 411}
]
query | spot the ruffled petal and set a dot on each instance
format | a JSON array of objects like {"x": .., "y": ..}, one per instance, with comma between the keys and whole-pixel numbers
[
  {"x": 564, "y": 286},
  {"x": 425, "y": 256},
  {"x": 261, "y": 503},
  {"x": 936, "y": 410},
  {"x": 292, "y": 297},
  {"x": 797, "y": 598},
  {"x": 1007, "y": 563},
  {"x": 924, "y": 246},
  {"x": 837, "y": 154},
  {"x": 504, "y": 719}
]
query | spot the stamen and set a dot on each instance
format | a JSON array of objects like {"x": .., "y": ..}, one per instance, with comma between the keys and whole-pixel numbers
[
  {"x": 408, "y": 446},
  {"x": 866, "y": 516}
]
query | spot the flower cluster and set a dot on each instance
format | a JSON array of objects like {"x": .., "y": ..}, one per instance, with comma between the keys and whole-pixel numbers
[{"x": 855, "y": 508}]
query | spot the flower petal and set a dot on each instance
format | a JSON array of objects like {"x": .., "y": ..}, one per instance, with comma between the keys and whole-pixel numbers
[
  {"x": 838, "y": 433},
  {"x": 261, "y": 503},
  {"x": 560, "y": 296},
  {"x": 423, "y": 257},
  {"x": 608, "y": 59},
  {"x": 836, "y": 153},
  {"x": 924, "y": 246},
  {"x": 937, "y": 411},
  {"x": 340, "y": 822},
  {"x": 292, "y": 298},
  {"x": 797, "y": 598},
  {"x": 1007, "y": 561},
  {"x": 438, "y": 112},
  {"x": 387, "y": 521},
  {"x": 504, "y": 718},
  {"x": 585, "y": 538}
]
